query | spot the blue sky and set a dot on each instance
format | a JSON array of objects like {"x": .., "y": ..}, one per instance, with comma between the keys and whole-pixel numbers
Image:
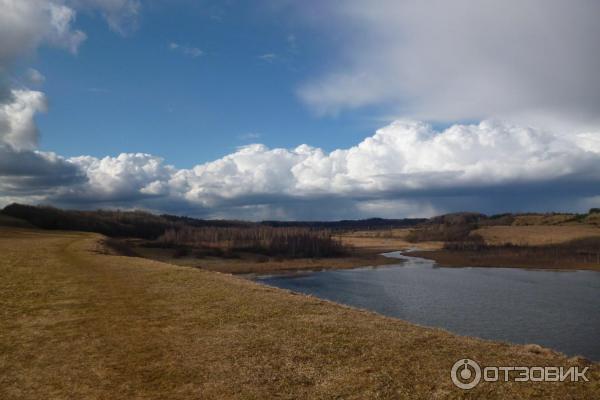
[
  {"x": 300, "y": 110},
  {"x": 135, "y": 94}
]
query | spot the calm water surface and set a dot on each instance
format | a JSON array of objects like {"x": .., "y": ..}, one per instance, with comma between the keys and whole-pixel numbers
[{"x": 556, "y": 309}]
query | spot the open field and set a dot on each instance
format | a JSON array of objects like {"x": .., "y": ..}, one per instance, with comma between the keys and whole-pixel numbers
[
  {"x": 77, "y": 323},
  {"x": 535, "y": 235},
  {"x": 557, "y": 219}
]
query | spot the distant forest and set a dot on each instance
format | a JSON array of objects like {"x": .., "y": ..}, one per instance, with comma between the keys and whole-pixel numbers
[{"x": 144, "y": 225}]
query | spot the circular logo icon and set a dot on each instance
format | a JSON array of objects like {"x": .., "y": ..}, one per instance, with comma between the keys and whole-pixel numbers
[{"x": 465, "y": 374}]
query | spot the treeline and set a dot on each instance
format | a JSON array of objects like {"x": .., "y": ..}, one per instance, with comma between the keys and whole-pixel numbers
[
  {"x": 202, "y": 223},
  {"x": 271, "y": 241},
  {"x": 110, "y": 223},
  {"x": 145, "y": 225},
  {"x": 447, "y": 228},
  {"x": 347, "y": 225}
]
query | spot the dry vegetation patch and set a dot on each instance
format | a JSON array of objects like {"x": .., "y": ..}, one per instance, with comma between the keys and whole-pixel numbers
[{"x": 374, "y": 242}]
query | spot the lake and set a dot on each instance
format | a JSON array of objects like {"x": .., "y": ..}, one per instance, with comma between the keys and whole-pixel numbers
[{"x": 555, "y": 309}]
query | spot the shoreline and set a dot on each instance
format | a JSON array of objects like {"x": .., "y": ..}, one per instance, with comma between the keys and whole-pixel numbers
[
  {"x": 458, "y": 259},
  {"x": 273, "y": 266},
  {"x": 364, "y": 252}
]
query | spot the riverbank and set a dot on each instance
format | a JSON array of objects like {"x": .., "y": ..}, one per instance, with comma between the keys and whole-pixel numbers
[
  {"x": 83, "y": 324},
  {"x": 504, "y": 258},
  {"x": 250, "y": 263},
  {"x": 548, "y": 241}
]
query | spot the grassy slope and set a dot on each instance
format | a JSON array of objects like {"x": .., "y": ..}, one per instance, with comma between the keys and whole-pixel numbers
[
  {"x": 75, "y": 323},
  {"x": 535, "y": 235}
]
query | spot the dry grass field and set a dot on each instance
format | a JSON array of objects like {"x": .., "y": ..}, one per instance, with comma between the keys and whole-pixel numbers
[
  {"x": 536, "y": 235},
  {"x": 543, "y": 219},
  {"x": 557, "y": 219},
  {"x": 76, "y": 323},
  {"x": 383, "y": 243}
]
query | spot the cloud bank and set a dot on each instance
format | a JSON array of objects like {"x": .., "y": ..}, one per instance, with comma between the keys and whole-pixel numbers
[
  {"x": 405, "y": 168},
  {"x": 533, "y": 62}
]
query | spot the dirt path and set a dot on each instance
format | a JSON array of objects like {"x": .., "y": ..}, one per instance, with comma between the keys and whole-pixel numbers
[{"x": 77, "y": 324}]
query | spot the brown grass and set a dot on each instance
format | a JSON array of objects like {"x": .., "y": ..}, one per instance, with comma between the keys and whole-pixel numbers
[
  {"x": 544, "y": 219},
  {"x": 78, "y": 324},
  {"x": 383, "y": 241},
  {"x": 535, "y": 235}
]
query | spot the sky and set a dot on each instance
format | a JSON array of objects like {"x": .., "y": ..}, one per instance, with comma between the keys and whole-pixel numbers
[{"x": 301, "y": 110}]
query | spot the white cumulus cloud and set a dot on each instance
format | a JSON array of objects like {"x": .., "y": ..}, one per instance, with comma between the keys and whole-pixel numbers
[
  {"x": 129, "y": 176},
  {"x": 405, "y": 168}
]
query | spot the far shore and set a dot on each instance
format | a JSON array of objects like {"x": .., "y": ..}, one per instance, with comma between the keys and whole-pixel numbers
[
  {"x": 367, "y": 251},
  {"x": 446, "y": 258}
]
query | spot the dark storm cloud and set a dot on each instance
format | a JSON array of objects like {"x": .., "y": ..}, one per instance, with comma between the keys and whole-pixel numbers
[{"x": 23, "y": 172}]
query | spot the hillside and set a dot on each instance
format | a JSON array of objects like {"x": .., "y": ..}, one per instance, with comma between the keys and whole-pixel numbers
[
  {"x": 551, "y": 240},
  {"x": 79, "y": 323},
  {"x": 6, "y": 220}
]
